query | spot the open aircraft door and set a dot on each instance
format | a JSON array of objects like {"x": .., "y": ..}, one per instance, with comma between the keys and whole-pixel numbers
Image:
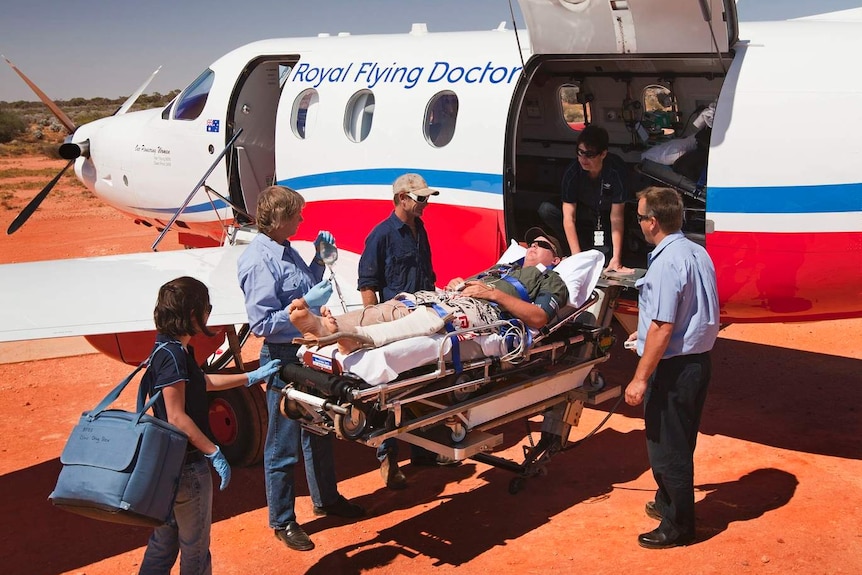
[{"x": 630, "y": 26}]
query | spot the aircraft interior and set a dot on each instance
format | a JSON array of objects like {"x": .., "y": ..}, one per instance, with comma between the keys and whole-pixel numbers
[{"x": 657, "y": 112}]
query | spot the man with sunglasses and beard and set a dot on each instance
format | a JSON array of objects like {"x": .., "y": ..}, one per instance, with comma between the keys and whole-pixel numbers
[
  {"x": 397, "y": 258},
  {"x": 594, "y": 194}
]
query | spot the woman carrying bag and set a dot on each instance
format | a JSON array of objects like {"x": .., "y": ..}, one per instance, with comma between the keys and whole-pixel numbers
[{"x": 182, "y": 310}]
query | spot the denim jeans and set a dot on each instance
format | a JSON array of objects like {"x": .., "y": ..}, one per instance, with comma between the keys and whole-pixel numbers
[
  {"x": 284, "y": 437},
  {"x": 187, "y": 533}
]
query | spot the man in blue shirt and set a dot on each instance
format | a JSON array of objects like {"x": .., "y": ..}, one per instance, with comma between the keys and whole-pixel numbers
[
  {"x": 678, "y": 322},
  {"x": 271, "y": 275},
  {"x": 397, "y": 258}
]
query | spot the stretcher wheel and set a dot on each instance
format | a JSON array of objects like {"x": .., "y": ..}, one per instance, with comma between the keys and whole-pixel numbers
[
  {"x": 459, "y": 432},
  {"x": 352, "y": 425}
]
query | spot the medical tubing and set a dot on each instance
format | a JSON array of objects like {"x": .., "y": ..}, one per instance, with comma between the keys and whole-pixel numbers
[{"x": 597, "y": 428}]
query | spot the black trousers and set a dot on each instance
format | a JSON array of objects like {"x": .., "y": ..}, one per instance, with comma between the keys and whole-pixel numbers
[{"x": 673, "y": 405}]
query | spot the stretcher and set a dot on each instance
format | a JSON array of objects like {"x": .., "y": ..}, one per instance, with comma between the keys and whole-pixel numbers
[{"x": 449, "y": 392}]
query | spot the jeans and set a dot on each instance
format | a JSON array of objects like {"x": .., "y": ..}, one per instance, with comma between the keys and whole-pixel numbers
[
  {"x": 284, "y": 437},
  {"x": 187, "y": 532},
  {"x": 673, "y": 405}
]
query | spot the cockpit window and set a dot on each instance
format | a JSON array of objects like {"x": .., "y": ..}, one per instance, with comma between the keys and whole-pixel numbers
[{"x": 191, "y": 102}]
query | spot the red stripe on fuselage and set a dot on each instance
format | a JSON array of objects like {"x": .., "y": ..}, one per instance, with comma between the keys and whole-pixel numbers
[
  {"x": 464, "y": 240},
  {"x": 768, "y": 277}
]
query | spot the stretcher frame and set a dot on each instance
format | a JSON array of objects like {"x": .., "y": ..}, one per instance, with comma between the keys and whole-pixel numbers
[{"x": 454, "y": 413}]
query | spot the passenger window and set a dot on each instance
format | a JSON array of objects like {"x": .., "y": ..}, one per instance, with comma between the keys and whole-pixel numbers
[
  {"x": 304, "y": 112},
  {"x": 191, "y": 102},
  {"x": 659, "y": 109},
  {"x": 441, "y": 115},
  {"x": 575, "y": 105},
  {"x": 358, "y": 115}
]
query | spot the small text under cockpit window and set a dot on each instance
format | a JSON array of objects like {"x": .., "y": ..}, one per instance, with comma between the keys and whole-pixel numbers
[{"x": 191, "y": 102}]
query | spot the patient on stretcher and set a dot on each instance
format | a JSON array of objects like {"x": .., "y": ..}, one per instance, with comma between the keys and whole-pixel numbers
[{"x": 530, "y": 292}]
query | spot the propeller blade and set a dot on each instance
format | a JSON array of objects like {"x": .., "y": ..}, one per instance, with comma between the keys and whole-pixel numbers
[
  {"x": 134, "y": 97},
  {"x": 55, "y": 109},
  {"x": 34, "y": 203}
]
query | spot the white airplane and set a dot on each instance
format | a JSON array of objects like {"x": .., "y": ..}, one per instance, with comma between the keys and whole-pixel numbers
[{"x": 483, "y": 116}]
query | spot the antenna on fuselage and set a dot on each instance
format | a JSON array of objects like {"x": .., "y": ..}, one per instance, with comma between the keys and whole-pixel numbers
[{"x": 502, "y": 26}]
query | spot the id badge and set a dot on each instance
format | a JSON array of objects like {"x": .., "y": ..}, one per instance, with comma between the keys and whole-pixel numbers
[{"x": 599, "y": 238}]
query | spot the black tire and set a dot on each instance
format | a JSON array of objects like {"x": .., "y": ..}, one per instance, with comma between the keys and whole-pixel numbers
[
  {"x": 238, "y": 420},
  {"x": 352, "y": 425}
]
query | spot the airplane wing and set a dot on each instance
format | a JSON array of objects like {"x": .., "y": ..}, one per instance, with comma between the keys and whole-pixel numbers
[
  {"x": 116, "y": 294},
  {"x": 110, "y": 294}
]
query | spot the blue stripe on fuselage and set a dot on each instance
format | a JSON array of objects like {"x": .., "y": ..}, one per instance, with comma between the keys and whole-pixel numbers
[
  {"x": 785, "y": 199},
  {"x": 219, "y": 204},
  {"x": 471, "y": 181}
]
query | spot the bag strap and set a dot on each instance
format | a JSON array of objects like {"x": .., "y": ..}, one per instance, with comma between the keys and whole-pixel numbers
[{"x": 115, "y": 393}]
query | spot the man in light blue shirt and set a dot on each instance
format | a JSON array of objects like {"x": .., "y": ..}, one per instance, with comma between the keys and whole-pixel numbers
[
  {"x": 271, "y": 275},
  {"x": 678, "y": 322}
]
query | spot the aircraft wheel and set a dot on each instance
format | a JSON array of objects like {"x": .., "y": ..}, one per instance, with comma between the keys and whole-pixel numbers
[
  {"x": 352, "y": 425},
  {"x": 238, "y": 420}
]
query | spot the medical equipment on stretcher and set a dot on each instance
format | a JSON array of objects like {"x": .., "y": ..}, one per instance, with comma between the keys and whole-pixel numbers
[{"x": 449, "y": 392}]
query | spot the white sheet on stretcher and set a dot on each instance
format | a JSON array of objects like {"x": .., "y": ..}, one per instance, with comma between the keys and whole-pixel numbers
[{"x": 383, "y": 364}]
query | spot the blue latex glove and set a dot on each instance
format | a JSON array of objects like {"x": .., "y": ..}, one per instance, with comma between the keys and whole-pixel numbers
[
  {"x": 221, "y": 466},
  {"x": 323, "y": 236},
  {"x": 318, "y": 294},
  {"x": 264, "y": 372}
]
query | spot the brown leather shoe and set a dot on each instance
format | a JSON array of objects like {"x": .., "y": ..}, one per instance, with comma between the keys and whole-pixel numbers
[
  {"x": 341, "y": 508},
  {"x": 294, "y": 537},
  {"x": 392, "y": 475},
  {"x": 652, "y": 511}
]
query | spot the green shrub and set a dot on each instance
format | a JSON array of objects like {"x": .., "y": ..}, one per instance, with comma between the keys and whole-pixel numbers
[{"x": 11, "y": 125}]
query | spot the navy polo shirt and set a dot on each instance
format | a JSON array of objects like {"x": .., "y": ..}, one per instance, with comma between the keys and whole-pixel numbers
[{"x": 395, "y": 261}]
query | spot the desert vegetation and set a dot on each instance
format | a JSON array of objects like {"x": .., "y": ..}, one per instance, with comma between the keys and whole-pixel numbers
[{"x": 29, "y": 128}]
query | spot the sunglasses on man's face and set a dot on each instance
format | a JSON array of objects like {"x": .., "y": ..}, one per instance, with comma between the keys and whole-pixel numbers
[
  {"x": 587, "y": 153},
  {"x": 643, "y": 217},
  {"x": 543, "y": 244},
  {"x": 418, "y": 199}
]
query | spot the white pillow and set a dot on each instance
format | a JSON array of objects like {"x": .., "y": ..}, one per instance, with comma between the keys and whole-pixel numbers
[
  {"x": 581, "y": 272},
  {"x": 668, "y": 152}
]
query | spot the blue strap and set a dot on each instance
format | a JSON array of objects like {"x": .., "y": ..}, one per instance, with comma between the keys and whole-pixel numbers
[
  {"x": 519, "y": 287},
  {"x": 115, "y": 393},
  {"x": 456, "y": 345}
]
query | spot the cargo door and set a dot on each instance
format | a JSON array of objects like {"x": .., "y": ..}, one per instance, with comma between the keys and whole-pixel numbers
[{"x": 630, "y": 26}]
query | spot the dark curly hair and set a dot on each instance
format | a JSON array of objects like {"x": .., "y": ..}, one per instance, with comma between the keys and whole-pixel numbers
[{"x": 180, "y": 303}]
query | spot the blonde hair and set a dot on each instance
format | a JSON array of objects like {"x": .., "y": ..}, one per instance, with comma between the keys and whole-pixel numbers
[{"x": 276, "y": 205}]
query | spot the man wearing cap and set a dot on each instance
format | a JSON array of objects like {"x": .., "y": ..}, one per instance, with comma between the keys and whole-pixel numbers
[{"x": 397, "y": 258}]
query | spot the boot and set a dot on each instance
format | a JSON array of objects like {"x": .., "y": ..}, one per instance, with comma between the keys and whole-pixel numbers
[{"x": 392, "y": 476}]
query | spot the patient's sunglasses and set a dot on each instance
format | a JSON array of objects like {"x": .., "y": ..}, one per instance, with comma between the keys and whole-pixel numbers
[
  {"x": 587, "y": 153},
  {"x": 418, "y": 199},
  {"x": 544, "y": 244}
]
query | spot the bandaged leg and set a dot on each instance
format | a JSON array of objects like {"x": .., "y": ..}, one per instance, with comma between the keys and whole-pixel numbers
[{"x": 422, "y": 321}]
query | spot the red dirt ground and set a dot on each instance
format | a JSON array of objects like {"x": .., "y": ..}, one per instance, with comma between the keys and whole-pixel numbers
[{"x": 778, "y": 464}]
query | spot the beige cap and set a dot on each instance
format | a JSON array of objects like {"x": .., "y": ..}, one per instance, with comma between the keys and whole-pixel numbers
[{"x": 413, "y": 183}]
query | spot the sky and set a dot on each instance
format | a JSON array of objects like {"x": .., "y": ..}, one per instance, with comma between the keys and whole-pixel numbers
[{"x": 107, "y": 48}]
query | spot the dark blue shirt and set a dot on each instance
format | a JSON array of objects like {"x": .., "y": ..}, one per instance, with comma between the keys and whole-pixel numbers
[
  {"x": 594, "y": 198},
  {"x": 395, "y": 261},
  {"x": 170, "y": 365}
]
